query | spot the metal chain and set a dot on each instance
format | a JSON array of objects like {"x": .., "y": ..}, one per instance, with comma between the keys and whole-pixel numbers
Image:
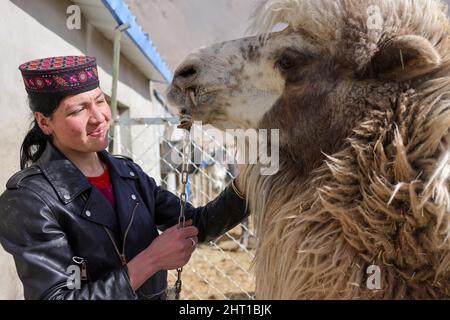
[{"x": 183, "y": 198}]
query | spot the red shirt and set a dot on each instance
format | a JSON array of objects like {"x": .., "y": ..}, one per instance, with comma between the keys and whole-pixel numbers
[{"x": 103, "y": 183}]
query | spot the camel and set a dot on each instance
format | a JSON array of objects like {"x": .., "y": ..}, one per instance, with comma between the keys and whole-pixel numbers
[{"x": 360, "y": 91}]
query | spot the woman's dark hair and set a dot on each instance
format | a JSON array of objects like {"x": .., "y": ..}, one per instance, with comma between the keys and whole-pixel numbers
[{"x": 33, "y": 146}]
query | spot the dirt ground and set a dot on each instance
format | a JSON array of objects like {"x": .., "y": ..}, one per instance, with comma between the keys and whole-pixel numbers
[{"x": 218, "y": 271}]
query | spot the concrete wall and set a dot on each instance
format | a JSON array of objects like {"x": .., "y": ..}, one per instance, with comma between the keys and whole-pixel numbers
[
  {"x": 36, "y": 29},
  {"x": 177, "y": 27}
]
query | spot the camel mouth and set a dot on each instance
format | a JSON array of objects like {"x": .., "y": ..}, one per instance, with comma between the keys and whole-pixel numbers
[
  {"x": 195, "y": 101},
  {"x": 186, "y": 111},
  {"x": 190, "y": 102},
  {"x": 181, "y": 98}
]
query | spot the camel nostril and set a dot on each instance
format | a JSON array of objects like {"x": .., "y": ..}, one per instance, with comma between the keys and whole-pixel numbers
[
  {"x": 185, "y": 76},
  {"x": 187, "y": 72}
]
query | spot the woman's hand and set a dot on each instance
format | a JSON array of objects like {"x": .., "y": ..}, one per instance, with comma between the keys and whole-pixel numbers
[
  {"x": 173, "y": 248},
  {"x": 170, "y": 250}
]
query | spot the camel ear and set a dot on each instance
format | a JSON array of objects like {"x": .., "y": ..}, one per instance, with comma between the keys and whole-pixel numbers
[{"x": 405, "y": 57}]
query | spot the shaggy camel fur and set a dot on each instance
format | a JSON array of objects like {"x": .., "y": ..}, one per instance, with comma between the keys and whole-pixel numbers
[{"x": 364, "y": 118}]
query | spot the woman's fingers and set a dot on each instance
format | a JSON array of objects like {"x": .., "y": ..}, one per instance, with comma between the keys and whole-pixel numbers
[
  {"x": 188, "y": 223},
  {"x": 189, "y": 232},
  {"x": 192, "y": 242}
]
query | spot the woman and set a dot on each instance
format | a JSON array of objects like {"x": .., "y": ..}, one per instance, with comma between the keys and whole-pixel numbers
[{"x": 74, "y": 204}]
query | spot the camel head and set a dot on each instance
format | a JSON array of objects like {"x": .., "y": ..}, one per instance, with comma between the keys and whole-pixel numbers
[{"x": 317, "y": 79}]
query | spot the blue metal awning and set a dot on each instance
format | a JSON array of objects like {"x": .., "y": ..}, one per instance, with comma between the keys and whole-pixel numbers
[{"x": 106, "y": 15}]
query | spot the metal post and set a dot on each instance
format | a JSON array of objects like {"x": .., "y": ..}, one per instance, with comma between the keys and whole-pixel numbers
[{"x": 115, "y": 79}]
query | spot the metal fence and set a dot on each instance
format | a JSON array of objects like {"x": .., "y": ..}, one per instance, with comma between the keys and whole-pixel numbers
[{"x": 220, "y": 269}]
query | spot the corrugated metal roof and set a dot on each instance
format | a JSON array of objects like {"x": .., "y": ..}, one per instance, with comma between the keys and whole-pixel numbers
[{"x": 106, "y": 15}]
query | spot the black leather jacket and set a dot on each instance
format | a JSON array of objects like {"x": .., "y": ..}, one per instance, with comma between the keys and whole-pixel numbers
[{"x": 52, "y": 217}]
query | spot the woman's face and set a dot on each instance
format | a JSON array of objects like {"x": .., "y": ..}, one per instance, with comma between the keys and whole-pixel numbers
[{"x": 80, "y": 123}]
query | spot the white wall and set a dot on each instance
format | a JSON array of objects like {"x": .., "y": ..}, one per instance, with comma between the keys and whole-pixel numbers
[{"x": 179, "y": 26}]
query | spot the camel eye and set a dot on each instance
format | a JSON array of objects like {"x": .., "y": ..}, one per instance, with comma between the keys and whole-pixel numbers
[
  {"x": 291, "y": 58},
  {"x": 285, "y": 63}
]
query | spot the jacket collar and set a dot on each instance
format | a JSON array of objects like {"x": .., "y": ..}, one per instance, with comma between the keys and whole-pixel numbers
[{"x": 67, "y": 180}]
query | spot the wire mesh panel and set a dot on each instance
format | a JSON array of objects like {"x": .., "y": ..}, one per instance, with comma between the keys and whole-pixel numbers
[{"x": 220, "y": 269}]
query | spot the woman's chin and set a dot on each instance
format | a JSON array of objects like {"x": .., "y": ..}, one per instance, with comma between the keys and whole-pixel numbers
[{"x": 97, "y": 145}]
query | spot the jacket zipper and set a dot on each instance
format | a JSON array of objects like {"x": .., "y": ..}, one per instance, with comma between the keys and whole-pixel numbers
[
  {"x": 121, "y": 255},
  {"x": 82, "y": 263},
  {"x": 128, "y": 229}
]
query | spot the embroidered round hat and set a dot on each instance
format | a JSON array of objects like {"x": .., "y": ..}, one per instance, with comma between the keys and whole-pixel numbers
[{"x": 60, "y": 75}]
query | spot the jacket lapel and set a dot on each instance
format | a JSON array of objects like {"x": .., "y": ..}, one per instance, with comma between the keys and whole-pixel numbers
[
  {"x": 99, "y": 210},
  {"x": 66, "y": 179},
  {"x": 70, "y": 183},
  {"x": 122, "y": 179}
]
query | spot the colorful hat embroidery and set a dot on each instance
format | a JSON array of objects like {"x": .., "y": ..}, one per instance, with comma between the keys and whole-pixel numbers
[{"x": 62, "y": 75}]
